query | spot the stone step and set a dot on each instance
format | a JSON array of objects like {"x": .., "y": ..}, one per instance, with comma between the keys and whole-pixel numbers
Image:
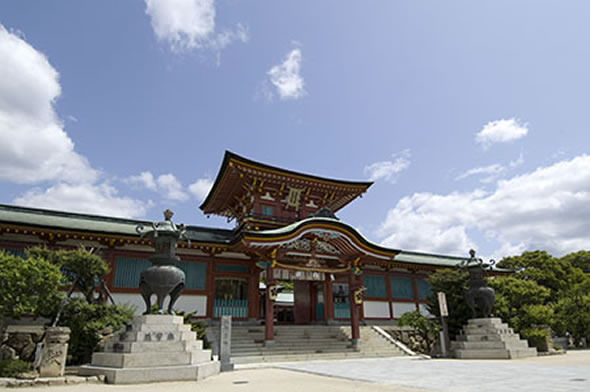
[
  {"x": 158, "y": 328},
  {"x": 153, "y": 374},
  {"x": 486, "y": 320},
  {"x": 496, "y": 353},
  {"x": 290, "y": 352},
  {"x": 148, "y": 347},
  {"x": 489, "y": 345},
  {"x": 141, "y": 336},
  {"x": 135, "y": 360},
  {"x": 310, "y": 357},
  {"x": 289, "y": 349},
  {"x": 487, "y": 330},
  {"x": 157, "y": 319},
  {"x": 296, "y": 344},
  {"x": 487, "y": 338}
]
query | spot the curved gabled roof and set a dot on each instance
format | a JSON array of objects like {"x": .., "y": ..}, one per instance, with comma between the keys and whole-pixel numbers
[
  {"x": 228, "y": 183},
  {"x": 342, "y": 236}
]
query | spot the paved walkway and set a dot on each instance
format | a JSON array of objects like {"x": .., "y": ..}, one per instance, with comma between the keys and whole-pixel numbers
[
  {"x": 250, "y": 380},
  {"x": 569, "y": 372}
]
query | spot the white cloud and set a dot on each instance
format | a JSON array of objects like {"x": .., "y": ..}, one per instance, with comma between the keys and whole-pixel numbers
[
  {"x": 190, "y": 24},
  {"x": 389, "y": 170},
  {"x": 501, "y": 131},
  {"x": 491, "y": 172},
  {"x": 33, "y": 144},
  {"x": 171, "y": 187},
  {"x": 200, "y": 188},
  {"x": 167, "y": 184},
  {"x": 548, "y": 209},
  {"x": 100, "y": 199},
  {"x": 145, "y": 179},
  {"x": 286, "y": 76}
]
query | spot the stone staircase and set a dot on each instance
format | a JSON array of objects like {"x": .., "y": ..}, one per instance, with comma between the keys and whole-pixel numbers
[
  {"x": 489, "y": 338},
  {"x": 153, "y": 348},
  {"x": 305, "y": 342}
]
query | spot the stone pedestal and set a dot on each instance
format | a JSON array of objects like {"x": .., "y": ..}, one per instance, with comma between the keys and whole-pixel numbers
[
  {"x": 55, "y": 350},
  {"x": 153, "y": 348},
  {"x": 225, "y": 344},
  {"x": 489, "y": 338}
]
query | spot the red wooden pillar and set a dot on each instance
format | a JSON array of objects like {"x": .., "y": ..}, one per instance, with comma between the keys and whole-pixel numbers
[
  {"x": 354, "y": 283},
  {"x": 269, "y": 309}
]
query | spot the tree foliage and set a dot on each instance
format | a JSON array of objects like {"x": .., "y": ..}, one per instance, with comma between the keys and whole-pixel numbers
[
  {"x": 561, "y": 300},
  {"x": 29, "y": 286},
  {"x": 86, "y": 321},
  {"x": 81, "y": 267},
  {"x": 454, "y": 284}
]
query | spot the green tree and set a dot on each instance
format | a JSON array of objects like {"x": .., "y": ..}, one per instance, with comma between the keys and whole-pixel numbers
[
  {"x": 580, "y": 259},
  {"x": 81, "y": 267},
  {"x": 558, "y": 275},
  {"x": 522, "y": 304},
  {"x": 454, "y": 284},
  {"x": 573, "y": 317},
  {"x": 29, "y": 286}
]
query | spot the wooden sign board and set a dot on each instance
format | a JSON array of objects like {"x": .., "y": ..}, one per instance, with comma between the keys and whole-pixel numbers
[{"x": 442, "y": 304}]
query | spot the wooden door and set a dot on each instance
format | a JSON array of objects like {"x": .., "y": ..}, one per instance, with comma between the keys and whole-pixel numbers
[{"x": 302, "y": 305}]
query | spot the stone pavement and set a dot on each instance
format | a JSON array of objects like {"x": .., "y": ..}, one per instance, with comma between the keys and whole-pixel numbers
[
  {"x": 250, "y": 380},
  {"x": 569, "y": 372}
]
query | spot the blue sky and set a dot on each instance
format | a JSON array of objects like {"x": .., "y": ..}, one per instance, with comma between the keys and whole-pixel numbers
[{"x": 470, "y": 117}]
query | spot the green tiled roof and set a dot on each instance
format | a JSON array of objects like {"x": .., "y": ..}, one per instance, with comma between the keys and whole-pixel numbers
[
  {"x": 51, "y": 219},
  {"x": 429, "y": 259},
  {"x": 97, "y": 224}
]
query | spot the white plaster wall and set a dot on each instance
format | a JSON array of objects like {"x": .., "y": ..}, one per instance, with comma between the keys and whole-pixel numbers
[
  {"x": 188, "y": 303},
  {"x": 423, "y": 311},
  {"x": 400, "y": 308},
  {"x": 376, "y": 309}
]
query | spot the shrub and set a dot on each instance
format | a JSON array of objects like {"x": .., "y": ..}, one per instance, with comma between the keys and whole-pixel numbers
[
  {"x": 426, "y": 328},
  {"x": 86, "y": 321},
  {"x": 13, "y": 367},
  {"x": 537, "y": 337},
  {"x": 29, "y": 285}
]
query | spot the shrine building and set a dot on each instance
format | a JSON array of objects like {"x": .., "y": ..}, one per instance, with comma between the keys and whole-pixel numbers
[{"x": 286, "y": 234}]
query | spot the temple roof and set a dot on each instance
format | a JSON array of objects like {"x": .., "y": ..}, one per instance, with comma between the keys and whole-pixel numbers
[
  {"x": 96, "y": 224},
  {"x": 25, "y": 220},
  {"x": 235, "y": 171}
]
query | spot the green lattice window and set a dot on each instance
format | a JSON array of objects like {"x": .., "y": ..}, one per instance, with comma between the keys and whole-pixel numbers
[
  {"x": 127, "y": 270},
  {"x": 196, "y": 274},
  {"x": 402, "y": 288},
  {"x": 231, "y": 268},
  {"x": 15, "y": 252},
  {"x": 423, "y": 288},
  {"x": 375, "y": 286},
  {"x": 267, "y": 211}
]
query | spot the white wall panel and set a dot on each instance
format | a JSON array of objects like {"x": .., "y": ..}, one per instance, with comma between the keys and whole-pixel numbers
[
  {"x": 376, "y": 309},
  {"x": 424, "y": 312},
  {"x": 188, "y": 303},
  {"x": 400, "y": 308}
]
